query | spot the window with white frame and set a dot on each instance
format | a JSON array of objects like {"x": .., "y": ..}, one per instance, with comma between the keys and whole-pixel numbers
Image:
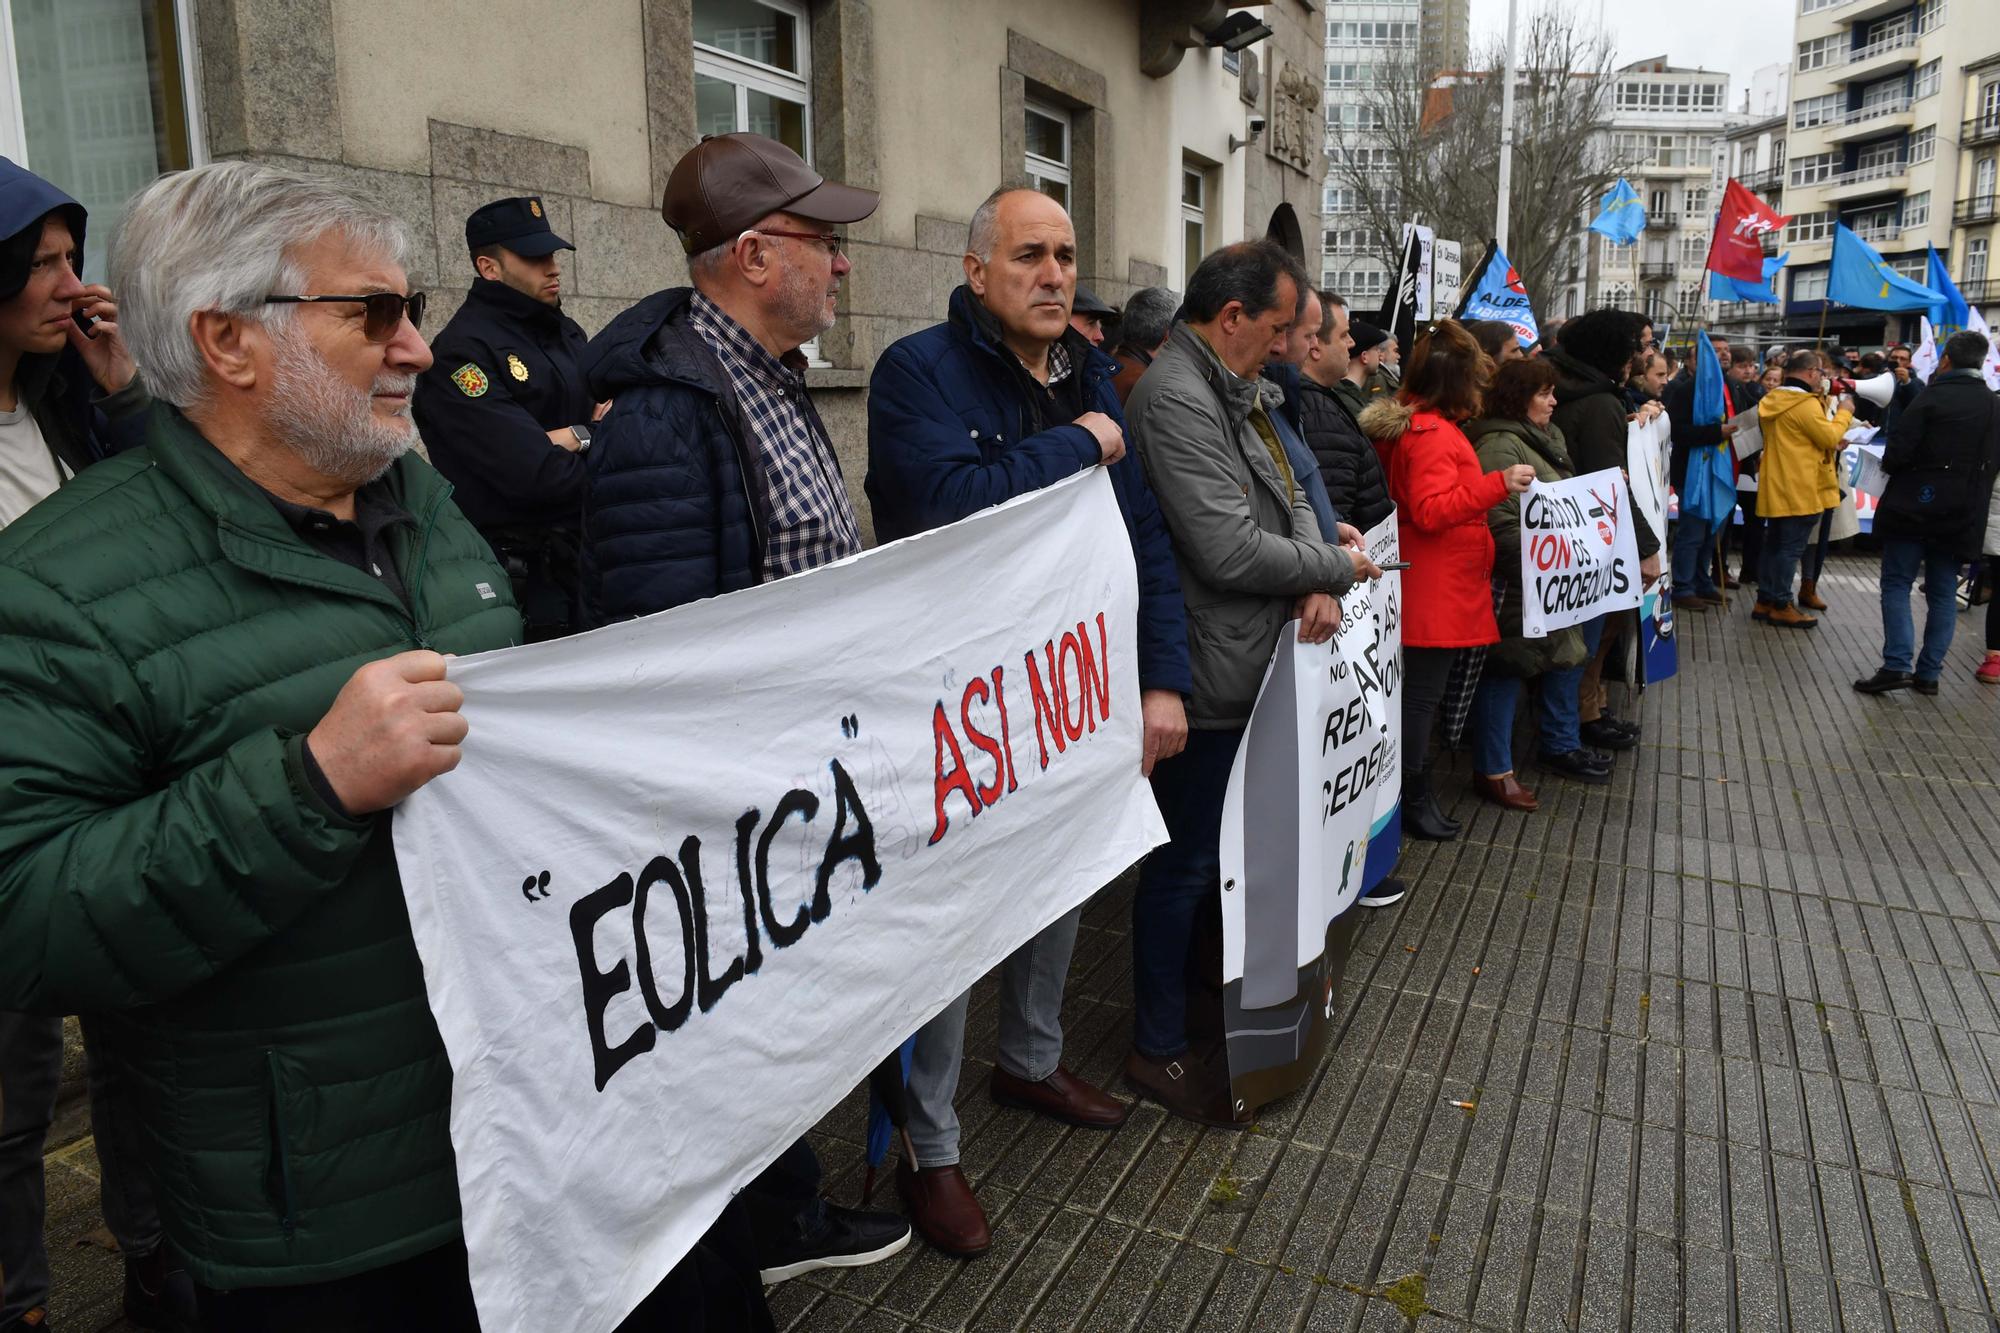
[
  {"x": 1814, "y": 6},
  {"x": 1880, "y": 154},
  {"x": 1349, "y": 74},
  {"x": 1923, "y": 144},
  {"x": 1930, "y": 14},
  {"x": 1362, "y": 285},
  {"x": 1913, "y": 267},
  {"x": 1362, "y": 158},
  {"x": 1347, "y": 241},
  {"x": 96, "y": 97},
  {"x": 1809, "y": 284},
  {"x": 1694, "y": 250},
  {"x": 1813, "y": 168},
  {"x": 1878, "y": 223},
  {"x": 1927, "y": 80},
  {"x": 1659, "y": 95},
  {"x": 1809, "y": 227},
  {"x": 1694, "y": 204},
  {"x": 1340, "y": 33},
  {"x": 1656, "y": 150},
  {"x": 1917, "y": 211},
  {"x": 1194, "y": 218},
  {"x": 1048, "y": 151},
  {"x": 1975, "y": 260},
  {"x": 1810, "y": 111},
  {"x": 752, "y": 70},
  {"x": 1821, "y": 52}
]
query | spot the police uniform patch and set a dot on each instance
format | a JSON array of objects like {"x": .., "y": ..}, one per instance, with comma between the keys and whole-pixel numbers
[
  {"x": 470, "y": 379},
  {"x": 517, "y": 368},
  {"x": 535, "y": 207}
]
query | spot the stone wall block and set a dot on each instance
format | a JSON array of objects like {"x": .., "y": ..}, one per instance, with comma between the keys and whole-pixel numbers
[
  {"x": 268, "y": 79},
  {"x": 521, "y": 164},
  {"x": 622, "y": 251}
]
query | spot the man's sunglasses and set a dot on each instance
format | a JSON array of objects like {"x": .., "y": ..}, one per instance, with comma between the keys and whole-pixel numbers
[{"x": 386, "y": 310}]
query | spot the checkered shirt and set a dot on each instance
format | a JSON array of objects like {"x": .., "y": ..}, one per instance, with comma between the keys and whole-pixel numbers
[{"x": 811, "y": 520}]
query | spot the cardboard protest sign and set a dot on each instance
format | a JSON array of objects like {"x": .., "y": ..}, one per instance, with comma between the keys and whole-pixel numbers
[
  {"x": 1579, "y": 557},
  {"x": 1304, "y": 796},
  {"x": 698, "y": 873}
]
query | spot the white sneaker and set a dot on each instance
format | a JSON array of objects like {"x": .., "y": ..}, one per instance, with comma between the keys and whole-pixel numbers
[{"x": 1386, "y": 894}]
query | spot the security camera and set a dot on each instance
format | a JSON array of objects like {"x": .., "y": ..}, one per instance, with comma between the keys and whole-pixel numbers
[{"x": 1256, "y": 123}]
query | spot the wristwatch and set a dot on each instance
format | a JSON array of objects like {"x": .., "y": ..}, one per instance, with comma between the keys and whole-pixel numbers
[{"x": 582, "y": 434}]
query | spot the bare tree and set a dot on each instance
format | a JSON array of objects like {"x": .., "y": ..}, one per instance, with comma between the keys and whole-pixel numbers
[{"x": 1427, "y": 145}]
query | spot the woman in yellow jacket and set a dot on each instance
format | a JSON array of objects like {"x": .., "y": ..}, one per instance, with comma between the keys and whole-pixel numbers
[{"x": 1796, "y": 483}]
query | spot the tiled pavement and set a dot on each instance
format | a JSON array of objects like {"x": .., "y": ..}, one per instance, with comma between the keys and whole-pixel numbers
[{"x": 1727, "y": 1029}]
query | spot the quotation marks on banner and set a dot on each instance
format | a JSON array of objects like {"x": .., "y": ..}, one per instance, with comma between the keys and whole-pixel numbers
[
  {"x": 534, "y": 882},
  {"x": 850, "y": 726}
]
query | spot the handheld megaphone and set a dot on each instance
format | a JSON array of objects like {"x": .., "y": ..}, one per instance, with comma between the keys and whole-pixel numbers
[{"x": 1878, "y": 390}]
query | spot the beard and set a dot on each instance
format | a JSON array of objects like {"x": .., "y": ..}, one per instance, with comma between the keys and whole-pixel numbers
[
  {"x": 328, "y": 423},
  {"x": 802, "y": 304}
]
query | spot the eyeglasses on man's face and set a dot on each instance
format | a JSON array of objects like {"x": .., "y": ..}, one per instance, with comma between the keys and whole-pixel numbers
[
  {"x": 832, "y": 240},
  {"x": 384, "y": 315}
]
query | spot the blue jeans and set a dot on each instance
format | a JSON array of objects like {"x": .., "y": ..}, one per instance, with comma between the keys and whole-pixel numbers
[
  {"x": 1900, "y": 562},
  {"x": 1694, "y": 540},
  {"x": 1173, "y": 884},
  {"x": 1778, "y": 569},
  {"x": 1560, "y": 714},
  {"x": 1493, "y": 707},
  {"x": 1813, "y": 559}
]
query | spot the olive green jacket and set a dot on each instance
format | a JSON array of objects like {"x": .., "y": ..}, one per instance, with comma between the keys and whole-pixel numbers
[{"x": 1500, "y": 445}]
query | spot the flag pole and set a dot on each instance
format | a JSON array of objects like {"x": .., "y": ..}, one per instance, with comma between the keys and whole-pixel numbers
[{"x": 1506, "y": 132}]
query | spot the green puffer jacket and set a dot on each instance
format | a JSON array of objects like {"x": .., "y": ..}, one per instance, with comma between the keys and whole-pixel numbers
[
  {"x": 1500, "y": 445},
  {"x": 165, "y": 643}
]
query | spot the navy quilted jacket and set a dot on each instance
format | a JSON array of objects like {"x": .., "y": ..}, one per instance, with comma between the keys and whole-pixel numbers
[
  {"x": 675, "y": 509},
  {"x": 951, "y": 432}
]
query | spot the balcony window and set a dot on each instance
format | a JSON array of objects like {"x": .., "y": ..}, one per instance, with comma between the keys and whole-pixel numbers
[
  {"x": 1809, "y": 285},
  {"x": 1975, "y": 260},
  {"x": 1927, "y": 80},
  {"x": 1917, "y": 212},
  {"x": 1923, "y": 144}
]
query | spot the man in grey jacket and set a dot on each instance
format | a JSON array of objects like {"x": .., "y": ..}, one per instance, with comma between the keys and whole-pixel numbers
[{"x": 1250, "y": 557}]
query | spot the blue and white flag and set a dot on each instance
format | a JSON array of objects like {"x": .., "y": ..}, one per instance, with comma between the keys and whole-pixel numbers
[
  {"x": 1622, "y": 214},
  {"x": 1709, "y": 492},
  {"x": 1496, "y": 293}
]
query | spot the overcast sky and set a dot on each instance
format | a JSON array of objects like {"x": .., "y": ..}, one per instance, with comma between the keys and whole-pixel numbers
[{"x": 1733, "y": 35}]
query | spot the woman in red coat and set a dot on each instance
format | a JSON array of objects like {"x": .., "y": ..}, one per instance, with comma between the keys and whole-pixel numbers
[{"x": 1441, "y": 502}]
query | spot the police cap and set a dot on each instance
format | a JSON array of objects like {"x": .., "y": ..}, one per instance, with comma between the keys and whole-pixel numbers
[{"x": 518, "y": 224}]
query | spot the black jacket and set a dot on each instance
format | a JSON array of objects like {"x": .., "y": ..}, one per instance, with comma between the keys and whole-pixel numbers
[
  {"x": 674, "y": 511},
  {"x": 1348, "y": 463},
  {"x": 1941, "y": 460},
  {"x": 79, "y": 424},
  {"x": 1678, "y": 400},
  {"x": 507, "y": 372},
  {"x": 1590, "y": 413}
]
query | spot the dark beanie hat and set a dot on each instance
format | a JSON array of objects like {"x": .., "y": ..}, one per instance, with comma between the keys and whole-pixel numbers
[{"x": 1367, "y": 337}]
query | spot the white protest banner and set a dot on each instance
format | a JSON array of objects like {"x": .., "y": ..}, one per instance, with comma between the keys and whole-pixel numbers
[
  {"x": 1303, "y": 797},
  {"x": 1649, "y": 463},
  {"x": 1445, "y": 279},
  {"x": 1384, "y": 652},
  {"x": 1579, "y": 558},
  {"x": 698, "y": 873},
  {"x": 1426, "y": 243}
]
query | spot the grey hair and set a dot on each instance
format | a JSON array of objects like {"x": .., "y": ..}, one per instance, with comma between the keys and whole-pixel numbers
[
  {"x": 223, "y": 237},
  {"x": 984, "y": 232},
  {"x": 1147, "y": 318}
]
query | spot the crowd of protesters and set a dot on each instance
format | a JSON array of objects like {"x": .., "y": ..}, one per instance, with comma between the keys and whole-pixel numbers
[{"x": 228, "y": 593}]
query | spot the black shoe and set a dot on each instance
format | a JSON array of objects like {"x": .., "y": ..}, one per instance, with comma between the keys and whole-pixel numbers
[
  {"x": 159, "y": 1294},
  {"x": 844, "y": 1238},
  {"x": 1885, "y": 680},
  {"x": 1386, "y": 894},
  {"x": 1423, "y": 819},
  {"x": 1579, "y": 765},
  {"x": 1439, "y": 817},
  {"x": 1924, "y": 686},
  {"x": 1608, "y": 733}
]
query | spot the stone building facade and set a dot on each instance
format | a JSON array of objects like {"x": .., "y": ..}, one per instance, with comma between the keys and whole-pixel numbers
[{"x": 1162, "y": 144}]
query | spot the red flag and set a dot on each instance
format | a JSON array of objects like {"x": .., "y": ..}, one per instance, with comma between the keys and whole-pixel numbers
[{"x": 1737, "y": 250}]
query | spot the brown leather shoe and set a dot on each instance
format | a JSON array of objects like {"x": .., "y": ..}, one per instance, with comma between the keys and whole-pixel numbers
[
  {"x": 1762, "y": 610},
  {"x": 1187, "y": 1089},
  {"x": 1506, "y": 791},
  {"x": 1061, "y": 1096},
  {"x": 942, "y": 1209},
  {"x": 1809, "y": 596},
  {"x": 1789, "y": 616},
  {"x": 1690, "y": 602}
]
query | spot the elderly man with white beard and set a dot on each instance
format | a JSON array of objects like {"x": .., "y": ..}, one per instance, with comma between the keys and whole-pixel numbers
[{"x": 224, "y": 659}]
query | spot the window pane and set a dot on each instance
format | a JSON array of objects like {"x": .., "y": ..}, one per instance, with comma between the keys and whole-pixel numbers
[
  {"x": 101, "y": 103},
  {"x": 748, "y": 29},
  {"x": 776, "y": 118},
  {"x": 1046, "y": 137},
  {"x": 1191, "y": 184},
  {"x": 1191, "y": 248},
  {"x": 714, "y": 106},
  {"x": 1054, "y": 189}
]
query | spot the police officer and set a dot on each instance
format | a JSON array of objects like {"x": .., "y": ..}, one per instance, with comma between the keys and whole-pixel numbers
[{"x": 506, "y": 413}]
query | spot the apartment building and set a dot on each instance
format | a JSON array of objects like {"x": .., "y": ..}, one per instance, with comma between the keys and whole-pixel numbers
[
  {"x": 1754, "y": 155},
  {"x": 1882, "y": 93},
  {"x": 1975, "y": 209},
  {"x": 1666, "y": 136}
]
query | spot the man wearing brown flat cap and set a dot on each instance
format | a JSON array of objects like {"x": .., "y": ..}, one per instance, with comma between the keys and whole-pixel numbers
[{"x": 713, "y": 473}]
